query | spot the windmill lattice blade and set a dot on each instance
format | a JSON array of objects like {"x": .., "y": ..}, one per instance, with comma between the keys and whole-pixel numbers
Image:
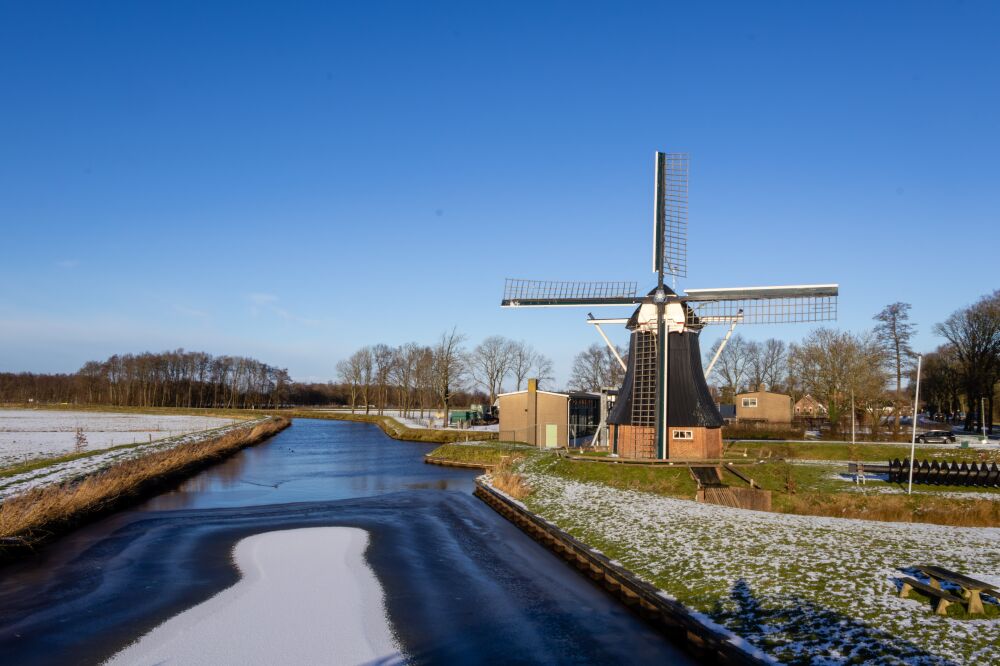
[
  {"x": 763, "y": 305},
  {"x": 670, "y": 244},
  {"x": 541, "y": 293}
]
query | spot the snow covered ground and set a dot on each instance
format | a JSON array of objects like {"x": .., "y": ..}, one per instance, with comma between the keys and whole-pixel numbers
[
  {"x": 307, "y": 596},
  {"x": 78, "y": 467},
  {"x": 803, "y": 588},
  {"x": 26, "y": 434}
]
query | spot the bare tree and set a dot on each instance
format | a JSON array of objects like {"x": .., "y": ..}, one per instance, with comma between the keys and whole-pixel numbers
[
  {"x": 733, "y": 365},
  {"x": 942, "y": 381},
  {"x": 448, "y": 367},
  {"x": 974, "y": 332},
  {"x": 526, "y": 362},
  {"x": 596, "y": 367},
  {"x": 490, "y": 362},
  {"x": 831, "y": 365},
  {"x": 541, "y": 368},
  {"x": 895, "y": 331},
  {"x": 404, "y": 374}
]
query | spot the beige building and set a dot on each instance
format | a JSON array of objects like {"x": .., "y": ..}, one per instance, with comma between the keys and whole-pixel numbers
[
  {"x": 546, "y": 419},
  {"x": 764, "y": 407}
]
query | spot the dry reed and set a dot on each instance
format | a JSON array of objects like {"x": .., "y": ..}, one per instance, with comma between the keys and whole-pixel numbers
[
  {"x": 43, "y": 513},
  {"x": 505, "y": 479}
]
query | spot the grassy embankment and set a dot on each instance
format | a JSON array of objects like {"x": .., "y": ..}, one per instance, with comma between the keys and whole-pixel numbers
[
  {"x": 671, "y": 481},
  {"x": 796, "y": 488},
  {"x": 34, "y": 517}
]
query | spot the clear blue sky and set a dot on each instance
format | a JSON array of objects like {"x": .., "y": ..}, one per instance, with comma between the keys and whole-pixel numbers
[{"x": 293, "y": 180}]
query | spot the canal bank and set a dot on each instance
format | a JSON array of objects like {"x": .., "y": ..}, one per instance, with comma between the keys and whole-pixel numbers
[{"x": 461, "y": 583}]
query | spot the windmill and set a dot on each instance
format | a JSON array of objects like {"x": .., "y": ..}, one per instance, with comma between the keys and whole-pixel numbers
[{"x": 664, "y": 408}]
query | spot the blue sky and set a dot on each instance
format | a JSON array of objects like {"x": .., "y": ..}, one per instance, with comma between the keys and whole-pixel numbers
[{"x": 293, "y": 180}]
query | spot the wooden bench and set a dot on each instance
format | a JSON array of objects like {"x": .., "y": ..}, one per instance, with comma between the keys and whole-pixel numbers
[
  {"x": 971, "y": 588},
  {"x": 944, "y": 598}
]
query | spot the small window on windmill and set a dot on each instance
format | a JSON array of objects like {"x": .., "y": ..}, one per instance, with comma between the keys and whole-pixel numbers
[
  {"x": 749, "y": 402},
  {"x": 683, "y": 434}
]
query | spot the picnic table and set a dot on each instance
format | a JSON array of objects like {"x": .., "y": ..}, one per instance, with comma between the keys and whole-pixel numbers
[{"x": 971, "y": 588}]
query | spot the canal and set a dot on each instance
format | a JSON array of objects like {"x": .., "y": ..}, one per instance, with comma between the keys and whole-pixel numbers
[{"x": 461, "y": 584}]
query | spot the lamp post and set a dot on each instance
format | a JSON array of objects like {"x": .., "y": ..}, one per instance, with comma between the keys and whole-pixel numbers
[
  {"x": 913, "y": 441},
  {"x": 982, "y": 418}
]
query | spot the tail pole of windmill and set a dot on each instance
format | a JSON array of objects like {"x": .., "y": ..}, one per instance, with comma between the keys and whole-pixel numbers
[{"x": 664, "y": 408}]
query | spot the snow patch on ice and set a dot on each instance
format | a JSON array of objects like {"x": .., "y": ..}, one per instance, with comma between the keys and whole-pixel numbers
[{"x": 307, "y": 596}]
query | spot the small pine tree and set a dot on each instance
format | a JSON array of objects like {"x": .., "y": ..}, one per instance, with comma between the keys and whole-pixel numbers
[{"x": 81, "y": 441}]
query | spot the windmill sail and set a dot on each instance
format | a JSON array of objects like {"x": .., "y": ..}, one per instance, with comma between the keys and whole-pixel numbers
[
  {"x": 763, "y": 305},
  {"x": 545, "y": 293},
  {"x": 670, "y": 220}
]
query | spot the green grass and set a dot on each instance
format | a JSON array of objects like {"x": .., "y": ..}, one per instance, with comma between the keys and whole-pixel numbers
[
  {"x": 955, "y": 610},
  {"x": 481, "y": 453},
  {"x": 670, "y": 481},
  {"x": 845, "y": 452}
]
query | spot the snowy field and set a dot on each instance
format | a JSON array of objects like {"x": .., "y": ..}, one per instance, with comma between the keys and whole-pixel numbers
[
  {"x": 805, "y": 589},
  {"x": 27, "y": 434},
  {"x": 307, "y": 596},
  {"x": 79, "y": 467}
]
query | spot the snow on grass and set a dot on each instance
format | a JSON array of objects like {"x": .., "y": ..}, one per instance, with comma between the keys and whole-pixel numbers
[
  {"x": 307, "y": 596},
  {"x": 804, "y": 589},
  {"x": 27, "y": 434},
  {"x": 90, "y": 463}
]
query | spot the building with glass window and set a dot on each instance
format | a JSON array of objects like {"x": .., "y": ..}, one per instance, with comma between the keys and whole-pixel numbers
[{"x": 548, "y": 419}]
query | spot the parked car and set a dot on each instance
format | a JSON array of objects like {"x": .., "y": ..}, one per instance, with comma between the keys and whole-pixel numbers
[{"x": 936, "y": 436}]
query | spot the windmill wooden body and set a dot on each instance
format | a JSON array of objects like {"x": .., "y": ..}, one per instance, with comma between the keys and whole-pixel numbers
[{"x": 664, "y": 408}]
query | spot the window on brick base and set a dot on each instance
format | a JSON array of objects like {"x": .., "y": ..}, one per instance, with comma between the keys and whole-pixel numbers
[{"x": 683, "y": 434}]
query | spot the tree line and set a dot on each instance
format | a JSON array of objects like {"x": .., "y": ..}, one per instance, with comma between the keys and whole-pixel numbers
[
  {"x": 167, "y": 379},
  {"x": 877, "y": 367},
  {"x": 414, "y": 377}
]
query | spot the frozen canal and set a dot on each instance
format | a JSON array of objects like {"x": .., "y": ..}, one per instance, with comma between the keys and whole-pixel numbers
[{"x": 460, "y": 584}]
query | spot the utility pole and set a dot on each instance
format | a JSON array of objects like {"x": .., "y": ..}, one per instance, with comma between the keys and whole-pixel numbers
[
  {"x": 853, "y": 442},
  {"x": 913, "y": 441}
]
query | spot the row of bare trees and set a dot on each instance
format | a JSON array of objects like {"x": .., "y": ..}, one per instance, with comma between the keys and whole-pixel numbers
[
  {"x": 167, "y": 379},
  {"x": 877, "y": 367},
  {"x": 837, "y": 368},
  {"x": 963, "y": 373},
  {"x": 414, "y": 377}
]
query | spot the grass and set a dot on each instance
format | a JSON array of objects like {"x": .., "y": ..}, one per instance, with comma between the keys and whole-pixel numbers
[
  {"x": 956, "y": 611},
  {"x": 810, "y": 490},
  {"x": 670, "y": 481},
  {"x": 41, "y": 514},
  {"x": 481, "y": 453},
  {"x": 845, "y": 452},
  {"x": 805, "y": 591}
]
